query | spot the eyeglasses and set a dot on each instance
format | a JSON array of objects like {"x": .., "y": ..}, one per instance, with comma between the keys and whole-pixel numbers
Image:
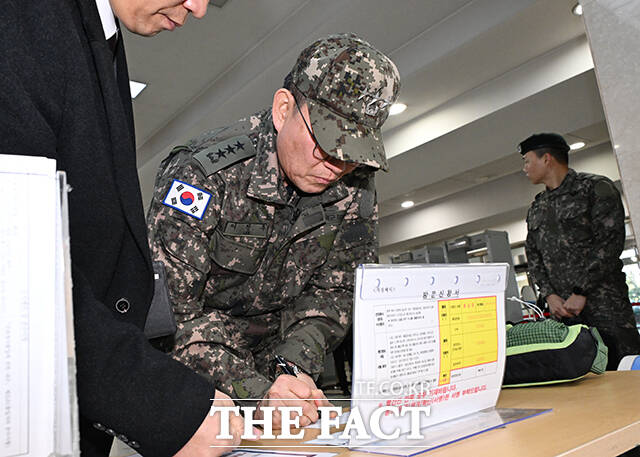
[{"x": 323, "y": 157}]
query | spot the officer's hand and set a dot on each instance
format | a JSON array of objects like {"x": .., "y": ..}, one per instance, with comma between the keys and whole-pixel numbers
[
  {"x": 206, "y": 436},
  {"x": 575, "y": 304},
  {"x": 298, "y": 391},
  {"x": 316, "y": 394},
  {"x": 556, "y": 306}
]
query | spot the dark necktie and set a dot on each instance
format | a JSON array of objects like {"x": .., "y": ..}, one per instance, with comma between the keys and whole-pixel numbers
[{"x": 113, "y": 43}]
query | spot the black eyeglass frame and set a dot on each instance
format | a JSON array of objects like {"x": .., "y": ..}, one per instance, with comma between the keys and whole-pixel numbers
[
  {"x": 313, "y": 137},
  {"x": 315, "y": 140}
]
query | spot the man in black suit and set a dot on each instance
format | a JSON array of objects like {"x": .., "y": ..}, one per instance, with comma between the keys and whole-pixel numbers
[{"x": 64, "y": 94}]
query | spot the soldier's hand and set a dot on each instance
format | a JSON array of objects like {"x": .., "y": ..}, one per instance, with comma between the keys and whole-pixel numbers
[
  {"x": 298, "y": 391},
  {"x": 207, "y": 434},
  {"x": 575, "y": 304},
  {"x": 316, "y": 394},
  {"x": 556, "y": 306}
]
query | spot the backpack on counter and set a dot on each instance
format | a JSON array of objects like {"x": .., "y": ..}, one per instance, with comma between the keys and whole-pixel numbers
[{"x": 548, "y": 352}]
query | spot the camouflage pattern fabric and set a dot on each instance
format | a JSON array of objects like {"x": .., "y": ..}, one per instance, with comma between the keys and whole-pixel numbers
[
  {"x": 266, "y": 270},
  {"x": 575, "y": 238},
  {"x": 350, "y": 87}
]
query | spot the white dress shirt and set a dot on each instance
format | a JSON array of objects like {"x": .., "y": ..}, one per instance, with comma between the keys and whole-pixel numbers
[{"x": 107, "y": 18}]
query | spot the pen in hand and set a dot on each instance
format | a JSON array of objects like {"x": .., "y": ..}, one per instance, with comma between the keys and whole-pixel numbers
[
  {"x": 285, "y": 367},
  {"x": 292, "y": 370}
]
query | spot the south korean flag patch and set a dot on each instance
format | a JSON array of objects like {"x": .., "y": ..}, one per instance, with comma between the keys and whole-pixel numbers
[{"x": 187, "y": 199}]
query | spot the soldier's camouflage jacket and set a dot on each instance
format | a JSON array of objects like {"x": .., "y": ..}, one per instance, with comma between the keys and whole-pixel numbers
[
  {"x": 265, "y": 271},
  {"x": 575, "y": 238}
]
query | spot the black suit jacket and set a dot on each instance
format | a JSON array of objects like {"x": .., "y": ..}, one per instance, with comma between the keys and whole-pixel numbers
[{"x": 60, "y": 97}]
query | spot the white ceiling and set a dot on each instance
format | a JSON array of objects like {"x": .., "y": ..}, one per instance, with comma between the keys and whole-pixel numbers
[{"x": 478, "y": 76}]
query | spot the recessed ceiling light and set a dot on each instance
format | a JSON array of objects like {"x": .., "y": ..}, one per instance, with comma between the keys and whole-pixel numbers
[
  {"x": 577, "y": 145},
  {"x": 397, "y": 108},
  {"x": 136, "y": 88},
  {"x": 577, "y": 10},
  {"x": 407, "y": 204}
]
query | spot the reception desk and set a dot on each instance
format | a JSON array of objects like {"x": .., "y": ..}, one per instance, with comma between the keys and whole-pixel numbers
[{"x": 598, "y": 416}]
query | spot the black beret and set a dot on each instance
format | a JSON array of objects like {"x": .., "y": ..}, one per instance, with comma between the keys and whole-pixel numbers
[{"x": 543, "y": 140}]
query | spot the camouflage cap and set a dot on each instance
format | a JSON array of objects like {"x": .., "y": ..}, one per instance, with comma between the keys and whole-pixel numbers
[{"x": 349, "y": 87}]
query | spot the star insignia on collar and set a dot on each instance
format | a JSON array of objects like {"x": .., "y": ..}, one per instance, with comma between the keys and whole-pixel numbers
[{"x": 239, "y": 145}]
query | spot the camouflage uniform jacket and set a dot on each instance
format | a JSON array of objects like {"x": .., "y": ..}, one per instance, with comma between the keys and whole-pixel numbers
[
  {"x": 575, "y": 238},
  {"x": 273, "y": 268}
]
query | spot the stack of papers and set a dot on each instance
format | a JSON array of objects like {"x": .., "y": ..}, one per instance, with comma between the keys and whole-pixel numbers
[{"x": 37, "y": 360}]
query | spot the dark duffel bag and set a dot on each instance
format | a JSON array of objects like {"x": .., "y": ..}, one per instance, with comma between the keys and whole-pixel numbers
[{"x": 549, "y": 352}]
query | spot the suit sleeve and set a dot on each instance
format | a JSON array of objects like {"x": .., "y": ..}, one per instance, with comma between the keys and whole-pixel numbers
[
  {"x": 136, "y": 390},
  {"x": 322, "y": 315},
  {"x": 123, "y": 383}
]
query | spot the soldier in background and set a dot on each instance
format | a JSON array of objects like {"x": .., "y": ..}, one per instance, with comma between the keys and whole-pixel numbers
[
  {"x": 261, "y": 224},
  {"x": 575, "y": 238}
]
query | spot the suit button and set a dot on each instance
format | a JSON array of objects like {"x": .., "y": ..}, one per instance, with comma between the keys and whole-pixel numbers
[
  {"x": 110, "y": 431},
  {"x": 123, "y": 438},
  {"x": 122, "y": 305},
  {"x": 99, "y": 426},
  {"x": 134, "y": 444}
]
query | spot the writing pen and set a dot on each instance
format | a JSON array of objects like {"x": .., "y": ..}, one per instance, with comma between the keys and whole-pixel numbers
[
  {"x": 285, "y": 367},
  {"x": 293, "y": 370}
]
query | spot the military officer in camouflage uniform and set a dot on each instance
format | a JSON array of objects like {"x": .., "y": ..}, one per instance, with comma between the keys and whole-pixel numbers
[
  {"x": 575, "y": 238},
  {"x": 261, "y": 224}
]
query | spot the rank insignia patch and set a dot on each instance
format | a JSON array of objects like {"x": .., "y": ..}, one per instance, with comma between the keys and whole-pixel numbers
[{"x": 187, "y": 199}]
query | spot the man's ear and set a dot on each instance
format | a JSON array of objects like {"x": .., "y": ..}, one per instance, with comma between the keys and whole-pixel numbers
[{"x": 281, "y": 107}]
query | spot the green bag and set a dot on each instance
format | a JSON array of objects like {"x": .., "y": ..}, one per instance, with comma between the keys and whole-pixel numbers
[{"x": 549, "y": 352}]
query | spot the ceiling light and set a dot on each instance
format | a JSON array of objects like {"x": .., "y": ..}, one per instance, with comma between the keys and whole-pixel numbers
[
  {"x": 577, "y": 145},
  {"x": 136, "y": 88},
  {"x": 407, "y": 204},
  {"x": 577, "y": 10},
  {"x": 397, "y": 108}
]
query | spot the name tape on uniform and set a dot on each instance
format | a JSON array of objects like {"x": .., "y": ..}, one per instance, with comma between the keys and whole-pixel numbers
[{"x": 187, "y": 199}]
